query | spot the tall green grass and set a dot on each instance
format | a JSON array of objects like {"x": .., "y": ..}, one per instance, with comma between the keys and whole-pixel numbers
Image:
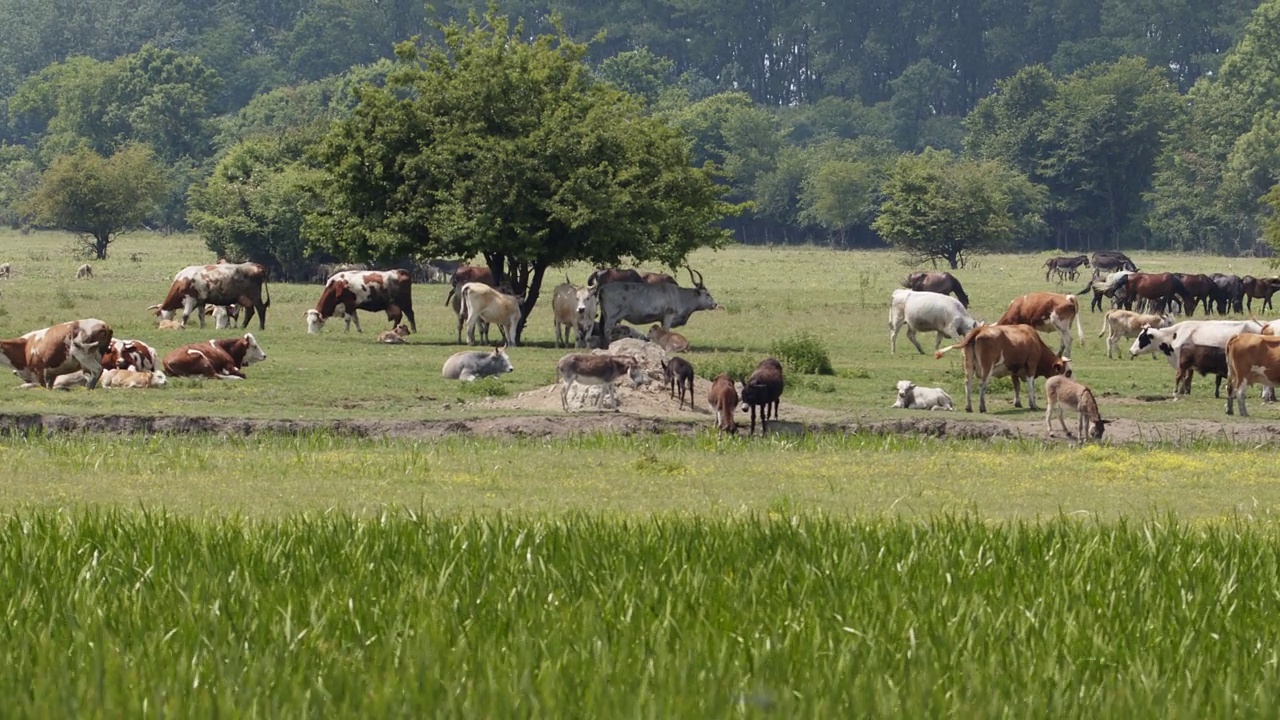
[{"x": 125, "y": 614}]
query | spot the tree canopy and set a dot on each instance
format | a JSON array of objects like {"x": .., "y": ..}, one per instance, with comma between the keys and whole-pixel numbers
[{"x": 509, "y": 149}]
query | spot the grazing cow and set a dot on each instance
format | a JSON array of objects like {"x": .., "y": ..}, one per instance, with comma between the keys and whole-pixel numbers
[
  {"x": 1112, "y": 260},
  {"x": 1261, "y": 288},
  {"x": 116, "y": 378},
  {"x": 224, "y": 316},
  {"x": 220, "y": 284},
  {"x": 1117, "y": 324},
  {"x": 914, "y": 397},
  {"x": 471, "y": 365},
  {"x": 1046, "y": 312},
  {"x": 41, "y": 356},
  {"x": 762, "y": 389},
  {"x": 222, "y": 359},
  {"x": 677, "y": 373},
  {"x": 372, "y": 290},
  {"x": 642, "y": 303},
  {"x": 669, "y": 340},
  {"x": 943, "y": 283},
  {"x": 481, "y": 302},
  {"x": 1016, "y": 351},
  {"x": 394, "y": 336},
  {"x": 927, "y": 312},
  {"x": 1064, "y": 266},
  {"x": 1227, "y": 293},
  {"x": 723, "y": 399},
  {"x": 1251, "y": 358},
  {"x": 1063, "y": 393},
  {"x": 6, "y": 270},
  {"x": 1204, "y": 359},
  {"x": 573, "y": 307},
  {"x": 602, "y": 370},
  {"x": 129, "y": 354},
  {"x": 85, "y": 271}
]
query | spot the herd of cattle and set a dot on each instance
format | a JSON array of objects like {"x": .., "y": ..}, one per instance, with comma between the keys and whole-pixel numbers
[{"x": 1243, "y": 352}]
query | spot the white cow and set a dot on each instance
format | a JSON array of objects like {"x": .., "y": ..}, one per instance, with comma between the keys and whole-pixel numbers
[
  {"x": 927, "y": 312},
  {"x": 914, "y": 397},
  {"x": 1118, "y": 324},
  {"x": 481, "y": 302}
]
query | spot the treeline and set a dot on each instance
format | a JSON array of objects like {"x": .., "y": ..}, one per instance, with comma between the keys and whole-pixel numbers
[{"x": 1096, "y": 124}]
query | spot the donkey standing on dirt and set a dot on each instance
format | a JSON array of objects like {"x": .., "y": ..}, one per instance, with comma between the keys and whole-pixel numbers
[{"x": 1065, "y": 392}]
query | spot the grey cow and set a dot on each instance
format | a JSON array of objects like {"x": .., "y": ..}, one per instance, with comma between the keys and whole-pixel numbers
[{"x": 471, "y": 365}]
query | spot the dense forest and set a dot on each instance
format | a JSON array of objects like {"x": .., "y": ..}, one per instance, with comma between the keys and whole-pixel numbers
[{"x": 1074, "y": 124}]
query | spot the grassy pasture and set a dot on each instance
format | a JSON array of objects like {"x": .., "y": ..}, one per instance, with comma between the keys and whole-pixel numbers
[{"x": 769, "y": 294}]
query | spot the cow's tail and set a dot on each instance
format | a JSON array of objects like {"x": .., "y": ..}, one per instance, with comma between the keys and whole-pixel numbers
[
  {"x": 1079, "y": 330},
  {"x": 449, "y": 298},
  {"x": 266, "y": 302},
  {"x": 1106, "y": 320},
  {"x": 966, "y": 342},
  {"x": 464, "y": 303}
]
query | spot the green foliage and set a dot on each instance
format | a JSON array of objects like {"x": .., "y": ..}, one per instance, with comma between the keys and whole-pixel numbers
[
  {"x": 738, "y": 365},
  {"x": 639, "y": 72},
  {"x": 484, "y": 387},
  {"x": 98, "y": 198},
  {"x": 803, "y": 353}
]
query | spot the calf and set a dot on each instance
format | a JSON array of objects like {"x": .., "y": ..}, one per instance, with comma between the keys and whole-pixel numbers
[
  {"x": 6, "y": 270},
  {"x": 221, "y": 359},
  {"x": 171, "y": 325},
  {"x": 927, "y": 312},
  {"x": 1046, "y": 312},
  {"x": 84, "y": 271},
  {"x": 41, "y": 356},
  {"x": 224, "y": 316},
  {"x": 1015, "y": 351},
  {"x": 1251, "y": 359},
  {"x": 1118, "y": 324},
  {"x": 1063, "y": 393},
  {"x": 1204, "y": 359},
  {"x": 914, "y": 397},
  {"x": 469, "y": 366},
  {"x": 678, "y": 373},
  {"x": 669, "y": 340},
  {"x": 129, "y": 354},
  {"x": 133, "y": 379},
  {"x": 763, "y": 390},
  {"x": 573, "y": 307},
  {"x": 481, "y": 302},
  {"x": 394, "y": 336},
  {"x": 723, "y": 398},
  {"x": 602, "y": 370}
]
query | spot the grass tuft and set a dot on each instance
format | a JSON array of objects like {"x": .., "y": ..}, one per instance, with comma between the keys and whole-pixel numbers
[{"x": 803, "y": 353}]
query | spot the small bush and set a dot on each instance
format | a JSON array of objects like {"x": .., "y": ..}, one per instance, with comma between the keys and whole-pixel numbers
[
  {"x": 804, "y": 354},
  {"x": 484, "y": 387},
  {"x": 738, "y": 365}
]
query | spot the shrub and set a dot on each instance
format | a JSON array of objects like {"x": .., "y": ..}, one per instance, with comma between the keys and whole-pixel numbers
[
  {"x": 804, "y": 354},
  {"x": 738, "y": 365},
  {"x": 484, "y": 387}
]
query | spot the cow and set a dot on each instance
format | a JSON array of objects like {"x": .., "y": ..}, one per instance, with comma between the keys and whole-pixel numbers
[
  {"x": 394, "y": 336},
  {"x": 603, "y": 276},
  {"x": 84, "y": 272},
  {"x": 6, "y": 270},
  {"x": 604, "y": 370},
  {"x": 669, "y": 340},
  {"x": 914, "y": 397},
  {"x": 1204, "y": 359},
  {"x": 1117, "y": 324},
  {"x": 129, "y": 354},
  {"x": 222, "y": 359},
  {"x": 1016, "y": 351},
  {"x": 1046, "y": 312},
  {"x": 943, "y": 283},
  {"x": 218, "y": 284},
  {"x": 371, "y": 290},
  {"x": 170, "y": 325},
  {"x": 469, "y": 366},
  {"x": 116, "y": 378},
  {"x": 41, "y": 356},
  {"x": 927, "y": 312},
  {"x": 454, "y": 300},
  {"x": 1169, "y": 341},
  {"x": 763, "y": 389},
  {"x": 224, "y": 316},
  {"x": 723, "y": 399},
  {"x": 1112, "y": 260},
  {"x": 1251, "y": 358},
  {"x": 642, "y": 303},
  {"x": 1261, "y": 288},
  {"x": 677, "y": 373},
  {"x": 466, "y": 274},
  {"x": 573, "y": 307},
  {"x": 1064, "y": 266},
  {"x": 1062, "y": 393},
  {"x": 483, "y": 303}
]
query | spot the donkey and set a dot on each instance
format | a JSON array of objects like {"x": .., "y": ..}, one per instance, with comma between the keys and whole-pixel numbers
[
  {"x": 723, "y": 398},
  {"x": 678, "y": 373},
  {"x": 596, "y": 370},
  {"x": 763, "y": 389},
  {"x": 1063, "y": 392}
]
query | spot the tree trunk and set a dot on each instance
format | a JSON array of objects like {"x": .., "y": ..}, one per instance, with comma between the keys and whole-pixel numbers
[
  {"x": 531, "y": 298},
  {"x": 100, "y": 243}
]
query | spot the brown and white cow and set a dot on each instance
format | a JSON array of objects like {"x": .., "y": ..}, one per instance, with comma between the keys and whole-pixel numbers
[
  {"x": 41, "y": 356},
  {"x": 221, "y": 359},
  {"x": 1046, "y": 312},
  {"x": 372, "y": 290},
  {"x": 481, "y": 302},
  {"x": 223, "y": 283},
  {"x": 1015, "y": 351},
  {"x": 129, "y": 354},
  {"x": 1251, "y": 359}
]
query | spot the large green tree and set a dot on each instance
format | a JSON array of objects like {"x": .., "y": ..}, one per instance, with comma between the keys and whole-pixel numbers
[
  {"x": 99, "y": 197},
  {"x": 509, "y": 149}
]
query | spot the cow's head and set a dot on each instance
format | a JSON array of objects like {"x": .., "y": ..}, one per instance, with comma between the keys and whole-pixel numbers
[
  {"x": 499, "y": 361},
  {"x": 159, "y": 379},
  {"x": 254, "y": 352},
  {"x": 587, "y": 300},
  {"x": 704, "y": 299},
  {"x": 315, "y": 321},
  {"x": 906, "y": 389}
]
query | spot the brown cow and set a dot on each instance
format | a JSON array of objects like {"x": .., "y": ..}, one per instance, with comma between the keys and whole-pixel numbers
[
  {"x": 1204, "y": 359},
  {"x": 1251, "y": 359},
  {"x": 1046, "y": 311},
  {"x": 220, "y": 284},
  {"x": 723, "y": 399},
  {"x": 1016, "y": 351},
  {"x": 468, "y": 274},
  {"x": 129, "y": 354},
  {"x": 41, "y": 356},
  {"x": 372, "y": 290},
  {"x": 218, "y": 359}
]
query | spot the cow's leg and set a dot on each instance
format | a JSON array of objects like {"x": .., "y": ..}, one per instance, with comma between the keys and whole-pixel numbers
[
  {"x": 471, "y": 329},
  {"x": 1031, "y": 393},
  {"x": 1242, "y": 391},
  {"x": 893, "y": 337},
  {"x": 1017, "y": 391},
  {"x": 413, "y": 324},
  {"x": 511, "y": 334},
  {"x": 461, "y": 320},
  {"x": 968, "y": 392},
  {"x": 911, "y": 335},
  {"x": 982, "y": 394}
]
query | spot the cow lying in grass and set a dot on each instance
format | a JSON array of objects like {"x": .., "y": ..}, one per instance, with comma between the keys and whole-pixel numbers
[{"x": 914, "y": 397}]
